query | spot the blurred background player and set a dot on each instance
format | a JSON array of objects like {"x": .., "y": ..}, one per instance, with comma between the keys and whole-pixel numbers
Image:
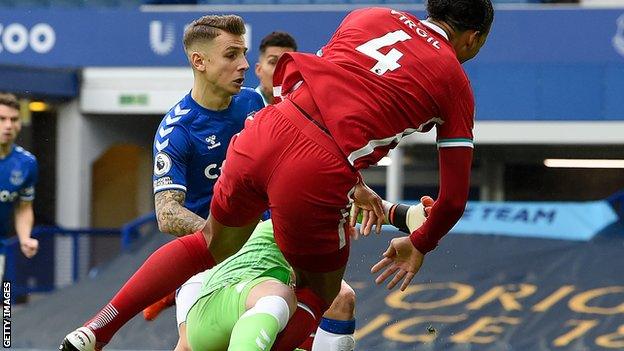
[
  {"x": 18, "y": 176},
  {"x": 272, "y": 47}
]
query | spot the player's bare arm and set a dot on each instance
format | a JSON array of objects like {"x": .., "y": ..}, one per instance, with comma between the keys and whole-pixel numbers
[
  {"x": 173, "y": 217},
  {"x": 24, "y": 220}
]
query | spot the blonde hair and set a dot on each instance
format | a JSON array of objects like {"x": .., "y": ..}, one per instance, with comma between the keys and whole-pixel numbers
[{"x": 207, "y": 28}]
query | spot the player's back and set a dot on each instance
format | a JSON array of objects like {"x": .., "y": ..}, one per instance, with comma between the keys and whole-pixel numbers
[
  {"x": 259, "y": 256},
  {"x": 382, "y": 76}
]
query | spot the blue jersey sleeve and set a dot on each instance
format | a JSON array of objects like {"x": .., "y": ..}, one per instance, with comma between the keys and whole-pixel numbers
[
  {"x": 172, "y": 150},
  {"x": 27, "y": 191}
]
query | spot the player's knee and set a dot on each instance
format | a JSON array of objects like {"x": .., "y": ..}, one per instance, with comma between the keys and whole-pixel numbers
[
  {"x": 182, "y": 345},
  {"x": 343, "y": 306},
  {"x": 287, "y": 293}
]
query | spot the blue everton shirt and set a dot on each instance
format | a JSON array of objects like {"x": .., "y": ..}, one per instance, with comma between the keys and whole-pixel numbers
[
  {"x": 18, "y": 175},
  {"x": 190, "y": 146}
]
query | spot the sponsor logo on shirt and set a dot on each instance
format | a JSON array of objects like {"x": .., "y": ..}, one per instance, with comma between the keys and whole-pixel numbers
[
  {"x": 162, "y": 164},
  {"x": 212, "y": 142},
  {"x": 211, "y": 172},
  {"x": 17, "y": 178}
]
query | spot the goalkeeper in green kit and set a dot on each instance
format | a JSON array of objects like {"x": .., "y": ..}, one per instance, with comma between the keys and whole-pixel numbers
[{"x": 246, "y": 300}]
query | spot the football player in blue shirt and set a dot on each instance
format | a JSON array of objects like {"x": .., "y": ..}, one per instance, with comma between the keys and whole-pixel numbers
[{"x": 18, "y": 175}]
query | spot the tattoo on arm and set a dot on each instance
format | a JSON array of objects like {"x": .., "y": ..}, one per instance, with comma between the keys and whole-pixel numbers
[{"x": 173, "y": 217}]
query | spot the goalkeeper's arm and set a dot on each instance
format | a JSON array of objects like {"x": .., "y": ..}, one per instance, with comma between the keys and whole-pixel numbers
[{"x": 405, "y": 218}]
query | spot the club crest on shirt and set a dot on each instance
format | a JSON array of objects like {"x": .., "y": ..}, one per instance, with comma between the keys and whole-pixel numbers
[
  {"x": 212, "y": 142},
  {"x": 618, "y": 38},
  {"x": 162, "y": 164},
  {"x": 17, "y": 178}
]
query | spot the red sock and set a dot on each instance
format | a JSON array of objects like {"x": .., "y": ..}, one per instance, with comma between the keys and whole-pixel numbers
[
  {"x": 299, "y": 327},
  {"x": 310, "y": 309},
  {"x": 307, "y": 344},
  {"x": 163, "y": 272}
]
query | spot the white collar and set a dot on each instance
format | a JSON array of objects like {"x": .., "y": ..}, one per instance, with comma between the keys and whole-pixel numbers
[{"x": 435, "y": 28}]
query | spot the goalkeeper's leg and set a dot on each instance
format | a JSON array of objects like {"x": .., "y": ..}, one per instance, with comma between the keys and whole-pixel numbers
[{"x": 271, "y": 303}]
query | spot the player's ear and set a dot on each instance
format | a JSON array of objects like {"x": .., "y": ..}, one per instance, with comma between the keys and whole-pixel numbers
[
  {"x": 197, "y": 61},
  {"x": 473, "y": 38},
  {"x": 257, "y": 69}
]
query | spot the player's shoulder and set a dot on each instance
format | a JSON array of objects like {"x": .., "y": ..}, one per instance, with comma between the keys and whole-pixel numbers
[
  {"x": 24, "y": 154},
  {"x": 249, "y": 95},
  {"x": 180, "y": 113},
  {"x": 370, "y": 11},
  {"x": 373, "y": 16}
]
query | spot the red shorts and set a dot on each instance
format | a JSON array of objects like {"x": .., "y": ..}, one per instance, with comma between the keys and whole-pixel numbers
[{"x": 285, "y": 162}]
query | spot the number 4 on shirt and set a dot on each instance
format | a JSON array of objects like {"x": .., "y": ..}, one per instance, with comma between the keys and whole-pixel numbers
[{"x": 389, "y": 61}]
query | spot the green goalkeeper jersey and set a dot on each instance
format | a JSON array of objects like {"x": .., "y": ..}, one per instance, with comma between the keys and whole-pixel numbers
[{"x": 259, "y": 257}]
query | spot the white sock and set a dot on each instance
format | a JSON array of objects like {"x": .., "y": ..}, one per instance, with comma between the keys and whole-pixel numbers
[{"x": 326, "y": 341}]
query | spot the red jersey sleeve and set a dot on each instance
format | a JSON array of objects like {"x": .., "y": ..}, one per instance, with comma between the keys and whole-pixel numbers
[
  {"x": 458, "y": 115},
  {"x": 455, "y": 164}
]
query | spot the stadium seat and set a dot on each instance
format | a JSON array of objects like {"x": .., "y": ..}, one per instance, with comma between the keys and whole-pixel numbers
[{"x": 257, "y": 2}]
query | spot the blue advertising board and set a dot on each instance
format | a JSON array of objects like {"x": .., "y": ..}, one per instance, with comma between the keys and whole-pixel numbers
[
  {"x": 540, "y": 63},
  {"x": 554, "y": 220},
  {"x": 78, "y": 38}
]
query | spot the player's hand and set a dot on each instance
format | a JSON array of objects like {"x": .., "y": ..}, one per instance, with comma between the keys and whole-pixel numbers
[
  {"x": 427, "y": 202},
  {"x": 367, "y": 202},
  {"x": 401, "y": 259},
  {"x": 29, "y": 247}
]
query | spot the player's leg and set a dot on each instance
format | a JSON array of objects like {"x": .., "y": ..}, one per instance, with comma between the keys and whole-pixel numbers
[
  {"x": 151, "y": 312},
  {"x": 269, "y": 305},
  {"x": 210, "y": 320},
  {"x": 182, "y": 344},
  {"x": 185, "y": 298},
  {"x": 336, "y": 329},
  {"x": 163, "y": 272},
  {"x": 342, "y": 310}
]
